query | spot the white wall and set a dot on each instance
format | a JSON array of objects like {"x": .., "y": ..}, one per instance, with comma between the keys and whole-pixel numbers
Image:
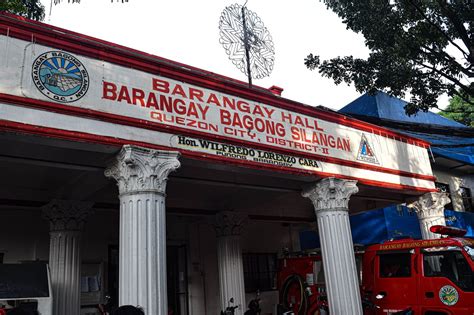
[
  {"x": 257, "y": 237},
  {"x": 455, "y": 181},
  {"x": 100, "y": 231},
  {"x": 468, "y": 181},
  {"x": 24, "y": 235}
]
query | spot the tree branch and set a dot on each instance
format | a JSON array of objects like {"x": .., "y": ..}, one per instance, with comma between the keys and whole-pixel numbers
[
  {"x": 449, "y": 59},
  {"x": 465, "y": 98},
  {"x": 443, "y": 74},
  {"x": 420, "y": 11},
  {"x": 456, "y": 111},
  {"x": 459, "y": 27}
]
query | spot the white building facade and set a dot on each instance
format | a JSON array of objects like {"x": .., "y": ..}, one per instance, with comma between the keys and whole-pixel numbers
[{"x": 170, "y": 187}]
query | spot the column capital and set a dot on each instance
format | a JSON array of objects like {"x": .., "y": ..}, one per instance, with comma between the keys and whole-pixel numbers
[
  {"x": 430, "y": 204},
  {"x": 331, "y": 193},
  {"x": 67, "y": 215},
  {"x": 228, "y": 223},
  {"x": 139, "y": 169}
]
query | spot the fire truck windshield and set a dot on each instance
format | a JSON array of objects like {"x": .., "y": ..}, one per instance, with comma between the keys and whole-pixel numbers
[{"x": 449, "y": 262}]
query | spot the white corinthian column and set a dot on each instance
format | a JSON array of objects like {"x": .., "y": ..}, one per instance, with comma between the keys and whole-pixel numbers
[
  {"x": 66, "y": 220},
  {"x": 430, "y": 211},
  {"x": 228, "y": 226},
  {"x": 141, "y": 176},
  {"x": 330, "y": 197}
]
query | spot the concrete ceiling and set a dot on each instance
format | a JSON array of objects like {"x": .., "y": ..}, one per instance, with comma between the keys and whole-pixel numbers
[{"x": 36, "y": 169}]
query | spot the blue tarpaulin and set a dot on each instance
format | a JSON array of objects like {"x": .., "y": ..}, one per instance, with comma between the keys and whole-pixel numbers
[
  {"x": 462, "y": 220},
  {"x": 397, "y": 221},
  {"x": 384, "y": 106},
  {"x": 450, "y": 147},
  {"x": 383, "y": 109},
  {"x": 448, "y": 139}
]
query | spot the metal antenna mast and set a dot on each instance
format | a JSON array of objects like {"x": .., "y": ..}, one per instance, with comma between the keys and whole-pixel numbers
[
  {"x": 246, "y": 45},
  {"x": 247, "y": 42}
]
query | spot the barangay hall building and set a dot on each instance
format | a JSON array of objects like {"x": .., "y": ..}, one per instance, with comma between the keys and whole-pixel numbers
[{"x": 176, "y": 188}]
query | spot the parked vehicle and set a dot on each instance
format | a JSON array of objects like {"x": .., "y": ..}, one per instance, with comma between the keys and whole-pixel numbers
[
  {"x": 430, "y": 276},
  {"x": 106, "y": 307},
  {"x": 230, "y": 309},
  {"x": 254, "y": 306},
  {"x": 426, "y": 277},
  {"x": 26, "y": 286}
]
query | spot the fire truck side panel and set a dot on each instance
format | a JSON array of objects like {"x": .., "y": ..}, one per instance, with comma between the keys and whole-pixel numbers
[
  {"x": 395, "y": 278},
  {"x": 368, "y": 266},
  {"x": 449, "y": 291},
  {"x": 429, "y": 278},
  {"x": 432, "y": 277}
]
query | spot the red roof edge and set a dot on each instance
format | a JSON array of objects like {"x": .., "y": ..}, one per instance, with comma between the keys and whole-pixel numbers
[{"x": 15, "y": 26}]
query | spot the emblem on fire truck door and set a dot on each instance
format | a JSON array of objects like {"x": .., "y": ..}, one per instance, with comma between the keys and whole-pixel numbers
[
  {"x": 60, "y": 76},
  {"x": 366, "y": 153},
  {"x": 448, "y": 295}
]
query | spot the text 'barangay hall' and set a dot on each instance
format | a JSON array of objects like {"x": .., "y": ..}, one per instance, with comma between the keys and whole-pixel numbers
[{"x": 192, "y": 107}]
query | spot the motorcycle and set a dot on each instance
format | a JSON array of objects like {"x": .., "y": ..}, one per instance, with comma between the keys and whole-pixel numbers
[
  {"x": 254, "y": 306},
  {"x": 105, "y": 308},
  {"x": 230, "y": 310},
  {"x": 323, "y": 305}
]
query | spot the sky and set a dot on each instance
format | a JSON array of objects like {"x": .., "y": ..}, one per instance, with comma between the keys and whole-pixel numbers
[{"x": 187, "y": 31}]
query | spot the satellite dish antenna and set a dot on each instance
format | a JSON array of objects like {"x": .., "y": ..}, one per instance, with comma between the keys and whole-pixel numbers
[{"x": 247, "y": 41}]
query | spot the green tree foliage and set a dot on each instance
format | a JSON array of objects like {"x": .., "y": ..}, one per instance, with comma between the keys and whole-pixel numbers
[
  {"x": 78, "y": 1},
  {"x": 408, "y": 41},
  {"x": 32, "y": 9},
  {"x": 460, "y": 111}
]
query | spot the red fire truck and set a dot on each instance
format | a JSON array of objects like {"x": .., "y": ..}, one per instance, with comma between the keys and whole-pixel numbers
[{"x": 430, "y": 277}]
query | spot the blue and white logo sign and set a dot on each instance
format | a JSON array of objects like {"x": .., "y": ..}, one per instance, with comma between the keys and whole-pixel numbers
[
  {"x": 60, "y": 76},
  {"x": 366, "y": 153}
]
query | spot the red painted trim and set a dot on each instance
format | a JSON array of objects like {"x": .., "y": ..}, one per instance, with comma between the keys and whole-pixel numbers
[
  {"x": 87, "y": 137},
  {"x": 95, "y": 48},
  {"x": 145, "y": 124}
]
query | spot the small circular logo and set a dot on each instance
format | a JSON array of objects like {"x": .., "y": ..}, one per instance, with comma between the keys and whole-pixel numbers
[
  {"x": 60, "y": 76},
  {"x": 448, "y": 295}
]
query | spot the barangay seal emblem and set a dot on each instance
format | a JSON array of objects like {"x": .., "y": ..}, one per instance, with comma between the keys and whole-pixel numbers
[
  {"x": 60, "y": 76},
  {"x": 366, "y": 153},
  {"x": 448, "y": 295}
]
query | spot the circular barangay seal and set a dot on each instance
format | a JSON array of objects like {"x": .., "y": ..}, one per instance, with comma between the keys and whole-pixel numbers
[
  {"x": 60, "y": 76},
  {"x": 448, "y": 295}
]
